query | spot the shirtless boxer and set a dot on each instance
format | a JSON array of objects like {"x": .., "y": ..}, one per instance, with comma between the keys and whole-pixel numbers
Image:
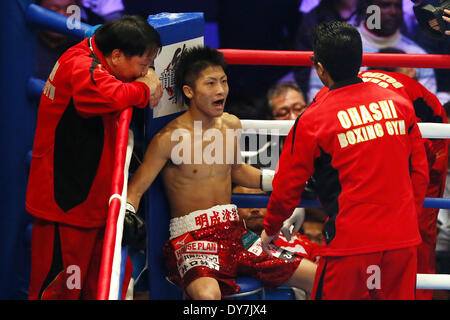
[{"x": 208, "y": 244}]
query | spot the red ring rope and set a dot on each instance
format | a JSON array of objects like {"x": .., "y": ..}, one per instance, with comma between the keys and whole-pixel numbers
[
  {"x": 302, "y": 58},
  {"x": 113, "y": 212}
]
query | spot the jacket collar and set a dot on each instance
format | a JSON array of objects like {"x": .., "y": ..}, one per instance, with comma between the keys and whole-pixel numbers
[
  {"x": 345, "y": 83},
  {"x": 97, "y": 53}
]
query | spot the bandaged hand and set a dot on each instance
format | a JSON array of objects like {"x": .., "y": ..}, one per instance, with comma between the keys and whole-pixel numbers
[
  {"x": 266, "y": 179},
  {"x": 134, "y": 231},
  {"x": 292, "y": 224}
]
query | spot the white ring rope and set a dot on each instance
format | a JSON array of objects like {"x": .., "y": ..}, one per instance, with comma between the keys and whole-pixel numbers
[
  {"x": 282, "y": 128},
  {"x": 433, "y": 281}
]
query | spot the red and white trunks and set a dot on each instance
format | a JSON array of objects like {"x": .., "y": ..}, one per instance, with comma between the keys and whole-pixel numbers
[{"x": 214, "y": 243}]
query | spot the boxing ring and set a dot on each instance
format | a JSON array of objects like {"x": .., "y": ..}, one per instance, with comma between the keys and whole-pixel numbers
[{"x": 112, "y": 260}]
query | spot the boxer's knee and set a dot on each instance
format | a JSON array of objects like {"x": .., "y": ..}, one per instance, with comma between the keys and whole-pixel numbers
[
  {"x": 303, "y": 276},
  {"x": 204, "y": 288}
]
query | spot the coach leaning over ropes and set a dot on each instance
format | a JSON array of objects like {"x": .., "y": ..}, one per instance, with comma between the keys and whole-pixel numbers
[
  {"x": 371, "y": 180},
  {"x": 73, "y": 152}
]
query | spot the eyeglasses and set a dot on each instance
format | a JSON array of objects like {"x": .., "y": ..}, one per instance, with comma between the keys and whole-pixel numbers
[{"x": 296, "y": 109}]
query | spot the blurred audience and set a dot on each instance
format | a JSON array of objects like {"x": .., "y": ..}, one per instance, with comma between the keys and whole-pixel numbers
[
  {"x": 381, "y": 31},
  {"x": 50, "y": 45},
  {"x": 100, "y": 11},
  {"x": 326, "y": 10},
  {"x": 256, "y": 24}
]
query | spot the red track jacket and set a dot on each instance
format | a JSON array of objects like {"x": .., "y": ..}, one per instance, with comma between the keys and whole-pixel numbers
[
  {"x": 73, "y": 152},
  {"x": 364, "y": 148}
]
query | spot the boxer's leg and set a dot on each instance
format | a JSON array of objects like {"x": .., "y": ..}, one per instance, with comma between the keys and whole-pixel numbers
[
  {"x": 204, "y": 288},
  {"x": 303, "y": 277}
]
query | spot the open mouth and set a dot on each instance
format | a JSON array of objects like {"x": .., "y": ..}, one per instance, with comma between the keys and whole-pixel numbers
[{"x": 219, "y": 103}]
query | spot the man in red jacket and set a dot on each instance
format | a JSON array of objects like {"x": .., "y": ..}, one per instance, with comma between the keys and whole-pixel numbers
[
  {"x": 73, "y": 152},
  {"x": 365, "y": 150},
  {"x": 428, "y": 109}
]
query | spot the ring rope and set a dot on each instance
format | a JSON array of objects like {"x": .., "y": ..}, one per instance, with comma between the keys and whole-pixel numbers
[
  {"x": 433, "y": 281},
  {"x": 282, "y": 127},
  {"x": 303, "y": 58},
  {"x": 243, "y": 200}
]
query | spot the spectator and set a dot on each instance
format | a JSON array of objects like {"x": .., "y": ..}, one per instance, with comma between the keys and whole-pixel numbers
[
  {"x": 381, "y": 31},
  {"x": 73, "y": 153},
  {"x": 261, "y": 25},
  {"x": 432, "y": 46},
  {"x": 312, "y": 227},
  {"x": 387, "y": 34},
  {"x": 50, "y": 45},
  {"x": 100, "y": 11},
  {"x": 326, "y": 10},
  {"x": 286, "y": 101}
]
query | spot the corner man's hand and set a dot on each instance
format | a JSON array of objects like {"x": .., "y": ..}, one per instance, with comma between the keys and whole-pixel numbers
[
  {"x": 295, "y": 221},
  {"x": 153, "y": 83},
  {"x": 265, "y": 242}
]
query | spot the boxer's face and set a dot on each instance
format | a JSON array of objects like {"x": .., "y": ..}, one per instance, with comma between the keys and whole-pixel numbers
[
  {"x": 210, "y": 91},
  {"x": 127, "y": 68}
]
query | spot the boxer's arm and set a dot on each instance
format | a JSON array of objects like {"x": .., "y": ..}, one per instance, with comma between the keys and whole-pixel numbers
[
  {"x": 242, "y": 174},
  {"x": 155, "y": 158},
  {"x": 246, "y": 175}
]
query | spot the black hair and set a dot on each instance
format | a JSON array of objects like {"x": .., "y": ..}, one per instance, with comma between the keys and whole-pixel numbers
[
  {"x": 132, "y": 35},
  {"x": 338, "y": 46},
  {"x": 387, "y": 50},
  {"x": 192, "y": 62},
  {"x": 281, "y": 87}
]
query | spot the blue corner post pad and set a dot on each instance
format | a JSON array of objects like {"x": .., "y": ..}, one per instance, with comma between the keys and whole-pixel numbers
[
  {"x": 90, "y": 32},
  {"x": 178, "y": 27},
  {"x": 52, "y": 21}
]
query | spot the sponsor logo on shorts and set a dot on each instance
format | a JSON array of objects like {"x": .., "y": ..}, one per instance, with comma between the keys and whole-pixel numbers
[
  {"x": 256, "y": 247},
  {"x": 207, "y": 247},
  {"x": 189, "y": 261}
]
